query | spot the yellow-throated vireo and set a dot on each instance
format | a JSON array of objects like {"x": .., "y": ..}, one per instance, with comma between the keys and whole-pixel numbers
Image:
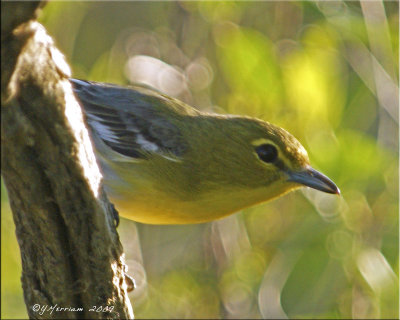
[{"x": 164, "y": 162}]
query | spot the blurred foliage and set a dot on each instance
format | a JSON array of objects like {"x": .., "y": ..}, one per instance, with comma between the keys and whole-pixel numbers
[{"x": 328, "y": 72}]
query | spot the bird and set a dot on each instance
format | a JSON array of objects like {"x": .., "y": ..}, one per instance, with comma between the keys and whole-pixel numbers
[{"x": 165, "y": 162}]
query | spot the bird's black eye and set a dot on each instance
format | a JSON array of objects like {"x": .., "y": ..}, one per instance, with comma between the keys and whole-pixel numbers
[{"x": 267, "y": 152}]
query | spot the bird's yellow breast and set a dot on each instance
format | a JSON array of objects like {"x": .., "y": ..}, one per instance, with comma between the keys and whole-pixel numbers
[{"x": 156, "y": 207}]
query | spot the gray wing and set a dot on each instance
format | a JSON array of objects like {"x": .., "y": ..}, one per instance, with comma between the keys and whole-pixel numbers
[{"x": 126, "y": 120}]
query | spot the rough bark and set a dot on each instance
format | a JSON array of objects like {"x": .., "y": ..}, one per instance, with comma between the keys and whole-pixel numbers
[{"x": 71, "y": 254}]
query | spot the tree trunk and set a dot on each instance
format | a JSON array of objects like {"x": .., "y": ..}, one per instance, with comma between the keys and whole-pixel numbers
[{"x": 72, "y": 259}]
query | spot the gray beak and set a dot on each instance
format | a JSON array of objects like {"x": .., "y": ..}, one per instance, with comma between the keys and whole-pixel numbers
[{"x": 314, "y": 179}]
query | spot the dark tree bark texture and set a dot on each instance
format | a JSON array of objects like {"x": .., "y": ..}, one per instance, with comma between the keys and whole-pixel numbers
[{"x": 72, "y": 258}]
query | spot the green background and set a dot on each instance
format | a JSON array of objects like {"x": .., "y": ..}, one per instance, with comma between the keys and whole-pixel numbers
[{"x": 325, "y": 71}]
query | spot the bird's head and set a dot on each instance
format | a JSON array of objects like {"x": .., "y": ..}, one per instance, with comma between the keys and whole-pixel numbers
[{"x": 261, "y": 156}]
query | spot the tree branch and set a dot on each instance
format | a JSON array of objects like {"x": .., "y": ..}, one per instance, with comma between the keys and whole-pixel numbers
[{"x": 71, "y": 254}]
